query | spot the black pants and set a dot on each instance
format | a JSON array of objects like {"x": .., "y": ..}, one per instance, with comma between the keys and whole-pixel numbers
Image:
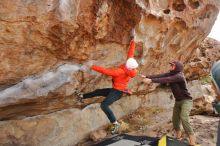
[{"x": 111, "y": 95}]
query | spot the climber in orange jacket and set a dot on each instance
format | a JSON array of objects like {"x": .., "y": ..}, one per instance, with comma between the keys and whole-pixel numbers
[{"x": 120, "y": 78}]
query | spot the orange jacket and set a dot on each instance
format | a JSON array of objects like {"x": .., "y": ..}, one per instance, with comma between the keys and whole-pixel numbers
[{"x": 120, "y": 75}]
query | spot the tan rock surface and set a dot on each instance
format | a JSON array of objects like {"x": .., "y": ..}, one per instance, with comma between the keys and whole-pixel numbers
[{"x": 202, "y": 59}]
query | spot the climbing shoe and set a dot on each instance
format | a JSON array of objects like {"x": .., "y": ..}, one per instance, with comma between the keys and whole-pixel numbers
[{"x": 115, "y": 129}]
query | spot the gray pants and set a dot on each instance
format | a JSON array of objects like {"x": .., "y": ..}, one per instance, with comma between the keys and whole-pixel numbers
[{"x": 181, "y": 113}]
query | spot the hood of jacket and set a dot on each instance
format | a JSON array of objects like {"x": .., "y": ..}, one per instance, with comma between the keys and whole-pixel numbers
[{"x": 179, "y": 67}]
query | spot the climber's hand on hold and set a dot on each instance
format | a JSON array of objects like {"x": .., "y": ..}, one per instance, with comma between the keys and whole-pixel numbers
[
  {"x": 89, "y": 64},
  {"x": 147, "y": 80},
  {"x": 143, "y": 76},
  {"x": 86, "y": 66}
]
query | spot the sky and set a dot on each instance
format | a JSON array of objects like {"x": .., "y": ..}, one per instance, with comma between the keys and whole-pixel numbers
[{"x": 215, "y": 32}]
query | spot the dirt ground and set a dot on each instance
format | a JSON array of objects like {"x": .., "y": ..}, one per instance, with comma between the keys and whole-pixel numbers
[{"x": 156, "y": 122}]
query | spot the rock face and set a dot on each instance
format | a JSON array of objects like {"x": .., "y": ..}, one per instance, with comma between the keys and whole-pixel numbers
[
  {"x": 36, "y": 35},
  {"x": 203, "y": 97},
  {"x": 68, "y": 127},
  {"x": 45, "y": 44},
  {"x": 200, "y": 63},
  {"x": 172, "y": 30},
  {"x": 40, "y": 37}
]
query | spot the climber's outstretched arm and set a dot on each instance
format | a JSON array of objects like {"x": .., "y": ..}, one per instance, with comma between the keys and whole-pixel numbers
[{"x": 131, "y": 49}]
